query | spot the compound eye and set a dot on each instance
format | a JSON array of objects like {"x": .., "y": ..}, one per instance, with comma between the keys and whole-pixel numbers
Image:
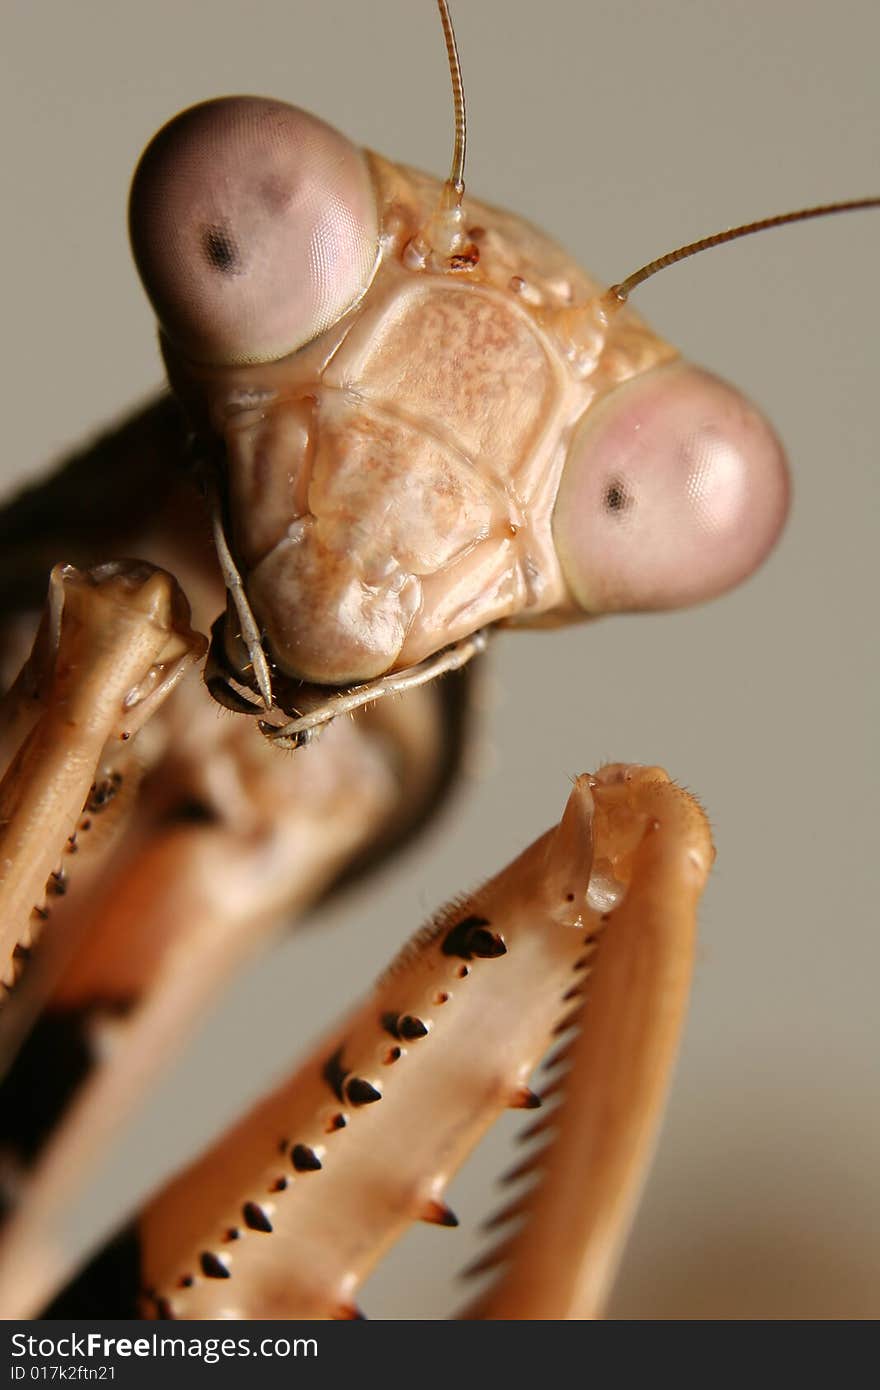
[
  {"x": 253, "y": 226},
  {"x": 675, "y": 488}
]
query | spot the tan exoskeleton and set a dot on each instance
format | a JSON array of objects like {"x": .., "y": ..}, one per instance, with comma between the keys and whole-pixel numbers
[{"x": 434, "y": 427}]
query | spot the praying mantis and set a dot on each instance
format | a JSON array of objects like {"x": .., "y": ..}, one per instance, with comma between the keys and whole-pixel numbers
[{"x": 734, "y": 703}]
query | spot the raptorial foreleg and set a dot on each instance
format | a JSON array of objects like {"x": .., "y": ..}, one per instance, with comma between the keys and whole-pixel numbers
[
  {"x": 287, "y": 1215},
  {"x": 113, "y": 642}
]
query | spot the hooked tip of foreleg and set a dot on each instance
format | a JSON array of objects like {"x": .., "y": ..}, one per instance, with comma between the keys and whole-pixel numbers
[{"x": 569, "y": 854}]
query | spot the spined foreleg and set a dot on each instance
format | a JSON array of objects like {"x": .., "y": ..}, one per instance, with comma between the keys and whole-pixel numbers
[{"x": 286, "y": 1215}]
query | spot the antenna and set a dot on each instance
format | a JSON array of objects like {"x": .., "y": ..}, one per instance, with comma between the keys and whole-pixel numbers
[
  {"x": 442, "y": 242},
  {"x": 618, "y": 294},
  {"x": 459, "y": 150}
]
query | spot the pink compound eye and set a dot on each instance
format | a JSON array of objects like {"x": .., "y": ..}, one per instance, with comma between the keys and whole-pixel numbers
[
  {"x": 675, "y": 488},
  {"x": 253, "y": 226}
]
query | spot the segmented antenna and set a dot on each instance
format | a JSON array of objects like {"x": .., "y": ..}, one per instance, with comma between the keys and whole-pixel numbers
[
  {"x": 618, "y": 294},
  {"x": 441, "y": 242},
  {"x": 459, "y": 149}
]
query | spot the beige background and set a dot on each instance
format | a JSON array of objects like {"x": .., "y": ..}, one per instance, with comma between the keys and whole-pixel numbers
[{"x": 623, "y": 128}]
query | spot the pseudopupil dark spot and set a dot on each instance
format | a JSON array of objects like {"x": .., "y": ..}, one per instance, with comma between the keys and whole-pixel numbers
[
  {"x": 616, "y": 497},
  {"x": 220, "y": 249}
]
